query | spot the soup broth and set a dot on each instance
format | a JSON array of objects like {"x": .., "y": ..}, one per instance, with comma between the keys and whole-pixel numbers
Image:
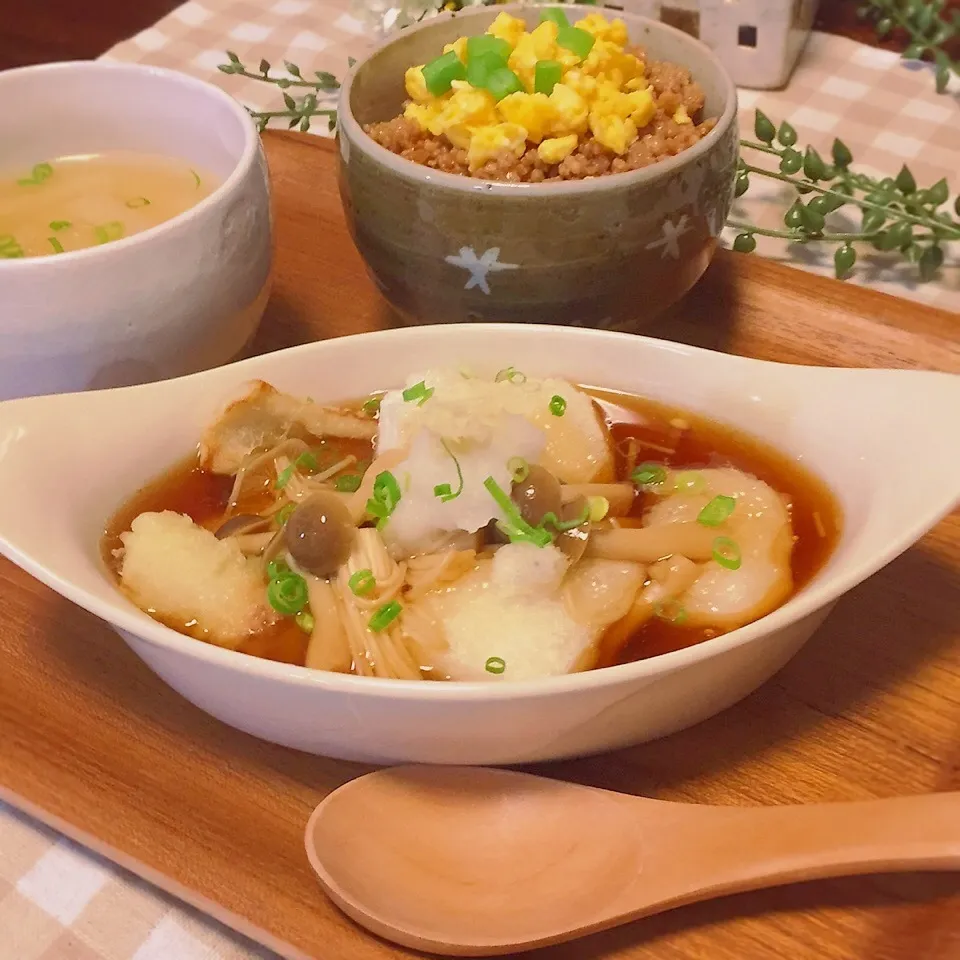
[
  {"x": 640, "y": 431},
  {"x": 76, "y": 202}
]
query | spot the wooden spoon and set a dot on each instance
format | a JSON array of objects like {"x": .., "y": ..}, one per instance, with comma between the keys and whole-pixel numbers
[{"x": 471, "y": 861}]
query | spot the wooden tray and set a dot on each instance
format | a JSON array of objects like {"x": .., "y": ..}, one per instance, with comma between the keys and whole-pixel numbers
[{"x": 96, "y": 746}]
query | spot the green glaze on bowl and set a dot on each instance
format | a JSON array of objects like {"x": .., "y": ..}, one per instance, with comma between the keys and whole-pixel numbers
[{"x": 612, "y": 251}]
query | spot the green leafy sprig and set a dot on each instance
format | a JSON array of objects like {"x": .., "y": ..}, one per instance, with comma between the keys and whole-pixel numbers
[
  {"x": 923, "y": 22},
  {"x": 896, "y": 215}
]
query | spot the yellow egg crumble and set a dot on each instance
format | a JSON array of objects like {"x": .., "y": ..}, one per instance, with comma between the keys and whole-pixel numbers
[{"x": 598, "y": 88}]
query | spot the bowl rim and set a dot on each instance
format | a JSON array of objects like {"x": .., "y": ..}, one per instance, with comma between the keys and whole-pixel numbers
[
  {"x": 241, "y": 167},
  {"x": 417, "y": 173},
  {"x": 120, "y": 613}
]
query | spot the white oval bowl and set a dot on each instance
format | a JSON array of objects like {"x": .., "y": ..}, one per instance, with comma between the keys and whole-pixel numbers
[
  {"x": 835, "y": 421},
  {"x": 183, "y": 296}
]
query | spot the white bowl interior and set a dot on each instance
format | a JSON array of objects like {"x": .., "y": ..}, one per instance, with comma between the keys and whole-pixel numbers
[
  {"x": 91, "y": 107},
  {"x": 885, "y": 442}
]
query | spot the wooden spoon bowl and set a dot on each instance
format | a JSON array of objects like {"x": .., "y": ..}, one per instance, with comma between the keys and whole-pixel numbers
[{"x": 470, "y": 861}]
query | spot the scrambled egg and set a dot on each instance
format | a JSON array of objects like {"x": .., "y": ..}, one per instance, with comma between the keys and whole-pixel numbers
[{"x": 603, "y": 92}]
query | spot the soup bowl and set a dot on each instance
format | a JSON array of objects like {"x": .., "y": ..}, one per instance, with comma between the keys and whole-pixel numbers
[
  {"x": 825, "y": 418},
  {"x": 611, "y": 251},
  {"x": 180, "y": 297}
]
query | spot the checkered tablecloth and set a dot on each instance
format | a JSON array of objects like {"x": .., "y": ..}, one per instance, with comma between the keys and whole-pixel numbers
[{"x": 58, "y": 902}]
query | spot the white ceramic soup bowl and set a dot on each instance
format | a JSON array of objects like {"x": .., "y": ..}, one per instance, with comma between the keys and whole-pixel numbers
[
  {"x": 837, "y": 422},
  {"x": 183, "y": 296}
]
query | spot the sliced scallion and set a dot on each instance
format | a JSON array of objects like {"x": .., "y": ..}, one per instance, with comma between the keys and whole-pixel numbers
[
  {"x": 288, "y": 595},
  {"x": 495, "y": 665},
  {"x": 283, "y": 477},
  {"x": 196, "y": 178},
  {"x": 576, "y": 41},
  {"x": 372, "y": 405},
  {"x": 56, "y": 244},
  {"x": 283, "y": 514},
  {"x": 727, "y": 553},
  {"x": 362, "y": 582},
  {"x": 419, "y": 393},
  {"x": 546, "y": 75},
  {"x": 649, "y": 474},
  {"x": 480, "y": 67},
  {"x": 562, "y": 526},
  {"x": 278, "y": 569},
  {"x": 39, "y": 173},
  {"x": 514, "y": 527},
  {"x": 385, "y": 616},
  {"x": 671, "y": 610},
  {"x": 443, "y": 490},
  {"x": 108, "y": 231},
  {"x": 558, "y": 406},
  {"x": 57, "y": 225},
  {"x": 556, "y": 15},
  {"x": 386, "y": 496},
  {"x": 716, "y": 511},
  {"x": 484, "y": 43},
  {"x": 308, "y": 461},
  {"x": 599, "y": 508},
  {"x": 305, "y": 621},
  {"x": 519, "y": 469},
  {"x": 510, "y": 374},
  {"x": 439, "y": 74},
  {"x": 502, "y": 82},
  {"x": 135, "y": 202},
  {"x": 689, "y": 481}
]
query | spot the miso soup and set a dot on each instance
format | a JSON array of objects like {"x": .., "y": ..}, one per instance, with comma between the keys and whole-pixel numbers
[{"x": 86, "y": 200}]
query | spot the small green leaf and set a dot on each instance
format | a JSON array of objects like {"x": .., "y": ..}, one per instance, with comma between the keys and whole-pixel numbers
[
  {"x": 763, "y": 127},
  {"x": 813, "y": 166},
  {"x": 351, "y": 61},
  {"x": 327, "y": 80},
  {"x": 941, "y": 78},
  {"x": 819, "y": 204},
  {"x": 290, "y": 103},
  {"x": 745, "y": 243},
  {"x": 283, "y": 83},
  {"x": 226, "y": 68},
  {"x": 804, "y": 189},
  {"x": 914, "y": 52},
  {"x": 793, "y": 218},
  {"x": 293, "y": 122},
  {"x": 304, "y": 124},
  {"x": 843, "y": 260},
  {"x": 905, "y": 182},
  {"x": 842, "y": 157},
  {"x": 956, "y": 206},
  {"x": 873, "y": 220},
  {"x": 291, "y": 68},
  {"x": 332, "y": 124},
  {"x": 232, "y": 57},
  {"x": 786, "y": 134},
  {"x": 831, "y": 202},
  {"x": 884, "y": 26},
  {"x": 885, "y": 241},
  {"x": 264, "y": 67},
  {"x": 903, "y": 233},
  {"x": 913, "y": 253},
  {"x": 741, "y": 185},
  {"x": 790, "y": 161},
  {"x": 812, "y": 220},
  {"x": 930, "y": 261}
]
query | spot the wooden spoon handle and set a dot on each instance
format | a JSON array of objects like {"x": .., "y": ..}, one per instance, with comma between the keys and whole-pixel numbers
[{"x": 746, "y": 849}]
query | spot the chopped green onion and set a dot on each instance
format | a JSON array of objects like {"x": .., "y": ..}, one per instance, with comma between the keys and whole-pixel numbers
[
  {"x": 196, "y": 178},
  {"x": 386, "y": 496},
  {"x": 109, "y": 231},
  {"x": 562, "y": 526},
  {"x": 558, "y": 406},
  {"x": 38, "y": 174},
  {"x": 419, "y": 393},
  {"x": 278, "y": 569},
  {"x": 9, "y": 248},
  {"x": 480, "y": 67},
  {"x": 671, "y": 610},
  {"x": 556, "y": 15},
  {"x": 726, "y": 553},
  {"x": 57, "y": 225},
  {"x": 439, "y": 74},
  {"x": 716, "y": 511},
  {"x": 446, "y": 493},
  {"x": 649, "y": 475},
  {"x": 483, "y": 44},
  {"x": 576, "y": 41},
  {"x": 308, "y": 461},
  {"x": 283, "y": 477},
  {"x": 511, "y": 374},
  {"x": 385, "y": 616},
  {"x": 495, "y": 665},
  {"x": 56, "y": 244},
  {"x": 372, "y": 405},
  {"x": 362, "y": 582},
  {"x": 519, "y": 469},
  {"x": 515, "y": 528},
  {"x": 283, "y": 514},
  {"x": 305, "y": 621},
  {"x": 546, "y": 75},
  {"x": 288, "y": 595},
  {"x": 349, "y": 483},
  {"x": 502, "y": 82},
  {"x": 689, "y": 481},
  {"x": 136, "y": 202},
  {"x": 599, "y": 508}
]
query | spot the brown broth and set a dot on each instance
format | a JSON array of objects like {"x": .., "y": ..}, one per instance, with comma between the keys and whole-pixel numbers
[{"x": 699, "y": 443}]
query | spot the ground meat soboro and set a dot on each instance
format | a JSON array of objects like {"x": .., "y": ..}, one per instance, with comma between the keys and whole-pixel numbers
[{"x": 672, "y": 87}]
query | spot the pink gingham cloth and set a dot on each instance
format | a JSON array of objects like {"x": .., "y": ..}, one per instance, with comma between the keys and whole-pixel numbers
[{"x": 58, "y": 902}]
